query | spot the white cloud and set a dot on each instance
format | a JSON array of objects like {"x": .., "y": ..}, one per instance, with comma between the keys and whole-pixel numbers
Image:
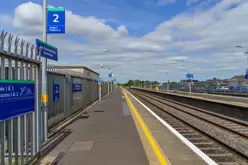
[{"x": 198, "y": 42}]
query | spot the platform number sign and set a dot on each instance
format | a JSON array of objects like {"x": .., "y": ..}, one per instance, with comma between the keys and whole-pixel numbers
[{"x": 56, "y": 20}]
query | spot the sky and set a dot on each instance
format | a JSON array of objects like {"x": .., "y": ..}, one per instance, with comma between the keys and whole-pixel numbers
[{"x": 145, "y": 39}]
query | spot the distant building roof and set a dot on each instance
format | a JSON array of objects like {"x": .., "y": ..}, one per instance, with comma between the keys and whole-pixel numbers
[{"x": 238, "y": 78}]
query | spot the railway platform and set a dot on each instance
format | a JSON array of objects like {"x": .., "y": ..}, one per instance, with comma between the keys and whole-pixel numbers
[
  {"x": 120, "y": 130},
  {"x": 235, "y": 100}
]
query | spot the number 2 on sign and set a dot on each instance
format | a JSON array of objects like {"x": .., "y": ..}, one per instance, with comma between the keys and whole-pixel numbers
[{"x": 56, "y": 18}]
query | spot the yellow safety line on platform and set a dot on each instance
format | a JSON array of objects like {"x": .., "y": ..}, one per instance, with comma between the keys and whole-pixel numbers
[{"x": 146, "y": 131}]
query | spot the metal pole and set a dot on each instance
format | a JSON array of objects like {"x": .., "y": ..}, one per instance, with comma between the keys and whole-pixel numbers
[
  {"x": 108, "y": 86},
  {"x": 246, "y": 53},
  {"x": 100, "y": 91},
  {"x": 44, "y": 71},
  {"x": 167, "y": 83},
  {"x": 190, "y": 87},
  {"x": 168, "y": 86},
  {"x": 111, "y": 86}
]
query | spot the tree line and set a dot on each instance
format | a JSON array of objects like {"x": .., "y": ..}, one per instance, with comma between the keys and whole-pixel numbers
[{"x": 144, "y": 83}]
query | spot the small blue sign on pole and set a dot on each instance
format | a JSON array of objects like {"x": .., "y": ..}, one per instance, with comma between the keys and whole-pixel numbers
[
  {"x": 77, "y": 87},
  {"x": 56, "y": 21},
  {"x": 16, "y": 98},
  {"x": 48, "y": 51},
  {"x": 189, "y": 76},
  {"x": 110, "y": 75},
  {"x": 100, "y": 80},
  {"x": 56, "y": 92}
]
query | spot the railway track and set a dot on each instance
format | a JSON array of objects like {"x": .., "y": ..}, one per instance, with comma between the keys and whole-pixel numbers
[{"x": 222, "y": 138}]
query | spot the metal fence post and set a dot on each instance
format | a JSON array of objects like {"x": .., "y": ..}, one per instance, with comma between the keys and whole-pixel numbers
[
  {"x": 16, "y": 46},
  {"x": 2, "y": 124},
  {"x": 2, "y": 38},
  {"x": 10, "y": 123},
  {"x": 100, "y": 91}
]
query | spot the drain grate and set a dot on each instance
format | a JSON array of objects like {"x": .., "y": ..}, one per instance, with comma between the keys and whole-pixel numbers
[
  {"x": 99, "y": 111},
  {"x": 81, "y": 146},
  {"x": 83, "y": 117}
]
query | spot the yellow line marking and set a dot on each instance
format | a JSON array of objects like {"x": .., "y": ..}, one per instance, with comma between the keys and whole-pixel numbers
[{"x": 146, "y": 131}]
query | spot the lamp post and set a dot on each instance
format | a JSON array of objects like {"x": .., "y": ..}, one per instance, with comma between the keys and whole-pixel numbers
[
  {"x": 108, "y": 80},
  {"x": 245, "y": 53},
  {"x": 99, "y": 84},
  {"x": 167, "y": 83}
]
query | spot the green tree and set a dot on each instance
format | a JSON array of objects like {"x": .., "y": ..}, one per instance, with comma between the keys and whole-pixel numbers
[
  {"x": 130, "y": 83},
  {"x": 137, "y": 83},
  {"x": 173, "y": 82}
]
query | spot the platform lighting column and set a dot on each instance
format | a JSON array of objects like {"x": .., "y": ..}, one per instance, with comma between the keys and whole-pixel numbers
[
  {"x": 246, "y": 53},
  {"x": 167, "y": 83}
]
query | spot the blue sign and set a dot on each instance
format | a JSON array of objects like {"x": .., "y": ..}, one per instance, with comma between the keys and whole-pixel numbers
[
  {"x": 110, "y": 75},
  {"x": 77, "y": 87},
  {"x": 246, "y": 76},
  {"x": 16, "y": 98},
  {"x": 100, "y": 80},
  {"x": 189, "y": 75},
  {"x": 48, "y": 51},
  {"x": 56, "y": 92},
  {"x": 56, "y": 21}
]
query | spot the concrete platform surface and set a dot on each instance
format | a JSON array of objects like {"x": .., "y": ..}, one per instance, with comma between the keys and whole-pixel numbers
[
  {"x": 238, "y": 101},
  {"x": 106, "y": 135},
  {"x": 218, "y": 97}
]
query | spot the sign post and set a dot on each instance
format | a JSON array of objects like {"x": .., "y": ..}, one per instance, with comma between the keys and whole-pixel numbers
[
  {"x": 190, "y": 77},
  {"x": 44, "y": 83},
  {"x": 110, "y": 76}
]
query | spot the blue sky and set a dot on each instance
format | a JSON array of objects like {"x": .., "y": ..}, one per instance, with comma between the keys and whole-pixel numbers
[
  {"x": 139, "y": 16},
  {"x": 142, "y": 33}
]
